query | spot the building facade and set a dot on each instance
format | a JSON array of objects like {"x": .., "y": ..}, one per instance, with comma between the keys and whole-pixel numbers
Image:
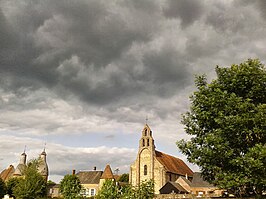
[{"x": 151, "y": 164}]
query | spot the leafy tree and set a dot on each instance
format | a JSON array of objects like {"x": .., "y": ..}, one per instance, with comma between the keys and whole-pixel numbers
[
  {"x": 32, "y": 185},
  {"x": 124, "y": 178},
  {"x": 10, "y": 186},
  {"x": 109, "y": 190},
  {"x": 145, "y": 190},
  {"x": 2, "y": 188},
  {"x": 70, "y": 187},
  {"x": 227, "y": 122}
]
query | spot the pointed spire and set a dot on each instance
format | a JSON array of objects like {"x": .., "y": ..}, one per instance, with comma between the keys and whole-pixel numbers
[
  {"x": 107, "y": 174},
  {"x": 24, "y": 152}
]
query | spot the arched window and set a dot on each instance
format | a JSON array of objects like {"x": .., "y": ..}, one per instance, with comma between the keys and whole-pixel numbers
[
  {"x": 145, "y": 170},
  {"x": 143, "y": 142},
  {"x": 145, "y": 132},
  {"x": 148, "y": 142},
  {"x": 150, "y": 133}
]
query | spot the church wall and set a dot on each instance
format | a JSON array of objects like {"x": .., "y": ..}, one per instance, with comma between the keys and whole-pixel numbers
[
  {"x": 145, "y": 159},
  {"x": 159, "y": 176}
]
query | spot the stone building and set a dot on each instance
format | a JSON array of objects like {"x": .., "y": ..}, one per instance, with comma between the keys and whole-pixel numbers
[
  {"x": 18, "y": 171},
  {"x": 155, "y": 165}
]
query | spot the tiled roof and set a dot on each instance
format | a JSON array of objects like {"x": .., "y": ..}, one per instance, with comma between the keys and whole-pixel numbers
[
  {"x": 7, "y": 173},
  {"x": 170, "y": 187},
  {"x": 89, "y": 177},
  {"x": 173, "y": 164},
  {"x": 107, "y": 174},
  {"x": 198, "y": 181}
]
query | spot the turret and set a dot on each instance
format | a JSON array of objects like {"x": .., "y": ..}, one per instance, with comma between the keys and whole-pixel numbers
[
  {"x": 43, "y": 167},
  {"x": 21, "y": 166}
]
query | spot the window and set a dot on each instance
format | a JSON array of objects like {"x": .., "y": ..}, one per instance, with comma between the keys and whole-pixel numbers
[
  {"x": 145, "y": 133},
  {"x": 150, "y": 133},
  {"x": 148, "y": 142},
  {"x": 143, "y": 142},
  {"x": 145, "y": 170},
  {"x": 92, "y": 192}
]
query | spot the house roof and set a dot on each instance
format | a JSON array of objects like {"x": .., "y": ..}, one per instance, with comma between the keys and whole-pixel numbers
[
  {"x": 186, "y": 180},
  {"x": 7, "y": 173},
  {"x": 198, "y": 181},
  {"x": 89, "y": 177},
  {"x": 107, "y": 173},
  {"x": 170, "y": 187},
  {"x": 173, "y": 164}
]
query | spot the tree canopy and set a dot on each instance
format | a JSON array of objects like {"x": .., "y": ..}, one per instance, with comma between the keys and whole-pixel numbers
[
  {"x": 227, "y": 125},
  {"x": 70, "y": 187},
  {"x": 32, "y": 185},
  {"x": 2, "y": 188}
]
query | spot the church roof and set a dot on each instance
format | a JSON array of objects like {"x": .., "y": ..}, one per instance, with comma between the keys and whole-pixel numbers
[
  {"x": 7, "y": 173},
  {"x": 107, "y": 174},
  {"x": 89, "y": 177},
  {"x": 173, "y": 164}
]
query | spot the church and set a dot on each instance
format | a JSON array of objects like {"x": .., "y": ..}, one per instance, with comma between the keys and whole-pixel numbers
[{"x": 156, "y": 165}]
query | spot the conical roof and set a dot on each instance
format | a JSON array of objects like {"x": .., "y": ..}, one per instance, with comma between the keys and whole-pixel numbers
[{"x": 107, "y": 173}]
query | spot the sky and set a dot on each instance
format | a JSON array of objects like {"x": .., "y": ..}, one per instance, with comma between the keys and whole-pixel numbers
[{"x": 82, "y": 76}]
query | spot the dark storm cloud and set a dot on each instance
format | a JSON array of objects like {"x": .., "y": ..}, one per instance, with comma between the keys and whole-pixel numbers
[{"x": 187, "y": 10}]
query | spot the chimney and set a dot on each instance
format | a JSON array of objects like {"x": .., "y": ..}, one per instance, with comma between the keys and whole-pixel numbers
[
  {"x": 94, "y": 168},
  {"x": 73, "y": 172}
]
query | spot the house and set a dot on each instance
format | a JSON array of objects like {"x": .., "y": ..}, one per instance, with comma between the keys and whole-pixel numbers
[
  {"x": 155, "y": 165},
  {"x": 92, "y": 181},
  {"x": 197, "y": 187}
]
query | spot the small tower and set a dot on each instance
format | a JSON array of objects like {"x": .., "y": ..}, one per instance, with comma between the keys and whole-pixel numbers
[
  {"x": 43, "y": 167},
  {"x": 21, "y": 166},
  {"x": 107, "y": 175}
]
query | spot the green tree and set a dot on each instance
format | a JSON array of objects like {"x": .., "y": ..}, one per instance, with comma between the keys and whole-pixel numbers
[
  {"x": 145, "y": 190},
  {"x": 109, "y": 190},
  {"x": 227, "y": 123},
  {"x": 2, "y": 188},
  {"x": 32, "y": 185},
  {"x": 124, "y": 178},
  {"x": 10, "y": 186},
  {"x": 70, "y": 187}
]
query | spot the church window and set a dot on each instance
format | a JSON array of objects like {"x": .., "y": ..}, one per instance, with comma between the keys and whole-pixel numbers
[
  {"x": 143, "y": 142},
  {"x": 145, "y": 170},
  {"x": 148, "y": 142},
  {"x": 150, "y": 133},
  {"x": 145, "y": 132}
]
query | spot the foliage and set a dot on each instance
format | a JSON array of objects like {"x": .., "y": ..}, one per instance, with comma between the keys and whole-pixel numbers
[
  {"x": 10, "y": 185},
  {"x": 110, "y": 190},
  {"x": 124, "y": 178},
  {"x": 227, "y": 122},
  {"x": 145, "y": 190},
  {"x": 32, "y": 185},
  {"x": 2, "y": 188},
  {"x": 70, "y": 187}
]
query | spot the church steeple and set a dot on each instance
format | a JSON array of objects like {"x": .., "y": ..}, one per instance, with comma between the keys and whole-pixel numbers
[{"x": 146, "y": 140}]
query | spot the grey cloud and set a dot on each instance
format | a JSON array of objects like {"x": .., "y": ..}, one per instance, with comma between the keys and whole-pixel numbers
[{"x": 187, "y": 10}]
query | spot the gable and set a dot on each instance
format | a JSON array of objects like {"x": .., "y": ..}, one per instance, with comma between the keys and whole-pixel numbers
[{"x": 173, "y": 164}]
